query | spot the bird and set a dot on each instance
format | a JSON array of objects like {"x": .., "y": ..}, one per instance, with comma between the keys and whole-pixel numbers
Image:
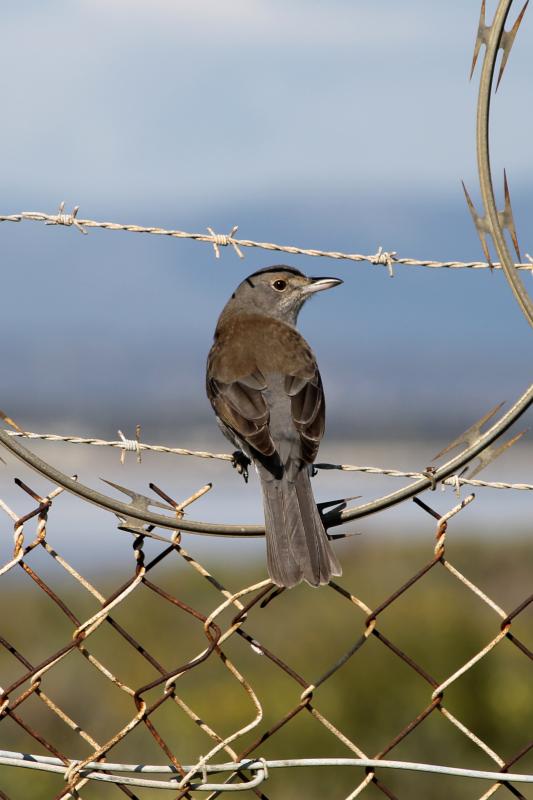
[{"x": 263, "y": 382}]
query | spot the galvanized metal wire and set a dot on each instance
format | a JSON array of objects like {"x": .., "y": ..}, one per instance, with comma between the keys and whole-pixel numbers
[
  {"x": 384, "y": 258},
  {"x": 98, "y": 771},
  {"x": 135, "y": 445}
]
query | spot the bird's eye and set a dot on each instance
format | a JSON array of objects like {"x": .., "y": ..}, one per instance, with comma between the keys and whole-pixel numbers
[{"x": 280, "y": 285}]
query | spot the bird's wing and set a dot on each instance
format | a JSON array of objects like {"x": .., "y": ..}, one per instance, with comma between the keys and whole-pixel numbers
[
  {"x": 240, "y": 403},
  {"x": 241, "y": 406},
  {"x": 308, "y": 409}
]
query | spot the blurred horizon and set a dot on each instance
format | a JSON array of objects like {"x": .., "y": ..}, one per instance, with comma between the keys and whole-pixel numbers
[
  {"x": 126, "y": 344},
  {"x": 340, "y": 127}
]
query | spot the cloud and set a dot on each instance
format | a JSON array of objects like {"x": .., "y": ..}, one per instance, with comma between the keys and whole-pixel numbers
[
  {"x": 381, "y": 30},
  {"x": 300, "y": 23},
  {"x": 203, "y": 101}
]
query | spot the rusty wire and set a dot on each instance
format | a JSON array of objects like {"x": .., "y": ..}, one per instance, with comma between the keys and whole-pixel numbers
[{"x": 250, "y": 604}]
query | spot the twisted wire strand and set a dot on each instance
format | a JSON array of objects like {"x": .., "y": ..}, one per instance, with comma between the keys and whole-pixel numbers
[
  {"x": 103, "y": 771},
  {"x": 386, "y": 258},
  {"x": 132, "y": 445}
]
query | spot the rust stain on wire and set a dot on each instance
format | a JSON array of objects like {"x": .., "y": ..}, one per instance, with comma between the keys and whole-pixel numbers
[{"x": 167, "y": 682}]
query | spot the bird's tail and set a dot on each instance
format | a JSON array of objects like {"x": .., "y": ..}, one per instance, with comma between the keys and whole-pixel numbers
[{"x": 297, "y": 545}]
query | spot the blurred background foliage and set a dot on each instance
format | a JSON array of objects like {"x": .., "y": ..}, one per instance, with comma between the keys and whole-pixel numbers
[{"x": 438, "y": 622}]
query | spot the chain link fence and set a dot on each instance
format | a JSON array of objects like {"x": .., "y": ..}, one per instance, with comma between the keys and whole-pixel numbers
[
  {"x": 80, "y": 671},
  {"x": 58, "y": 676}
]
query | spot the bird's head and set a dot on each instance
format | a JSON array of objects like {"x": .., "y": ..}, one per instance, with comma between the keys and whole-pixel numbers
[{"x": 278, "y": 291}]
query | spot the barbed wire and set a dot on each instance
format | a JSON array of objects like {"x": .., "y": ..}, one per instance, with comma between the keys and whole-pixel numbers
[
  {"x": 382, "y": 257},
  {"x": 124, "y": 444},
  {"x": 135, "y": 445}
]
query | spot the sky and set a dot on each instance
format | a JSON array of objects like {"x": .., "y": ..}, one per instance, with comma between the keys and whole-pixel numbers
[{"x": 333, "y": 125}]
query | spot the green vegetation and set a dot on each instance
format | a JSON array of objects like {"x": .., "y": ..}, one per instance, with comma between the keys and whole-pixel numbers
[{"x": 438, "y": 622}]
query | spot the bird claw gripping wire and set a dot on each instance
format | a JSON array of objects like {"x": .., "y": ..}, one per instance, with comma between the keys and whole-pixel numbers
[{"x": 241, "y": 463}]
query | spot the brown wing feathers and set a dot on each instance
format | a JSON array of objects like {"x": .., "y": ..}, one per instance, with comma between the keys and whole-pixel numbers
[
  {"x": 238, "y": 398},
  {"x": 308, "y": 412}
]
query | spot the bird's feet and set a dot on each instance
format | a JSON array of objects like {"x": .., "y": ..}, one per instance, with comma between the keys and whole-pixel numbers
[{"x": 241, "y": 462}]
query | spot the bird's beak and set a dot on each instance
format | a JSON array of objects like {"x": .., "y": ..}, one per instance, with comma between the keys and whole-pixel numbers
[{"x": 321, "y": 284}]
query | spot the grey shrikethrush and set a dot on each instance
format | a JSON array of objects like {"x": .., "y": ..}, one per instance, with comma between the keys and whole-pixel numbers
[{"x": 264, "y": 385}]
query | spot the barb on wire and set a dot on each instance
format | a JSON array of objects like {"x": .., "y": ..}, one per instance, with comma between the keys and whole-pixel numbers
[
  {"x": 139, "y": 502},
  {"x": 489, "y": 454},
  {"x": 122, "y": 444},
  {"x": 471, "y": 434},
  {"x": 12, "y": 423},
  {"x": 385, "y": 258},
  {"x": 67, "y": 219},
  {"x": 223, "y": 240},
  {"x": 133, "y": 445},
  {"x": 506, "y": 40},
  {"x": 381, "y": 257},
  {"x": 495, "y": 222},
  {"x": 483, "y": 225},
  {"x": 485, "y": 457},
  {"x": 331, "y": 519},
  {"x": 454, "y": 480}
]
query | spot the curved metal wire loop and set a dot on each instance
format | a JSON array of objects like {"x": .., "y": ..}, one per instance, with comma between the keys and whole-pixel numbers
[
  {"x": 337, "y": 517},
  {"x": 332, "y": 519},
  {"x": 493, "y": 43}
]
